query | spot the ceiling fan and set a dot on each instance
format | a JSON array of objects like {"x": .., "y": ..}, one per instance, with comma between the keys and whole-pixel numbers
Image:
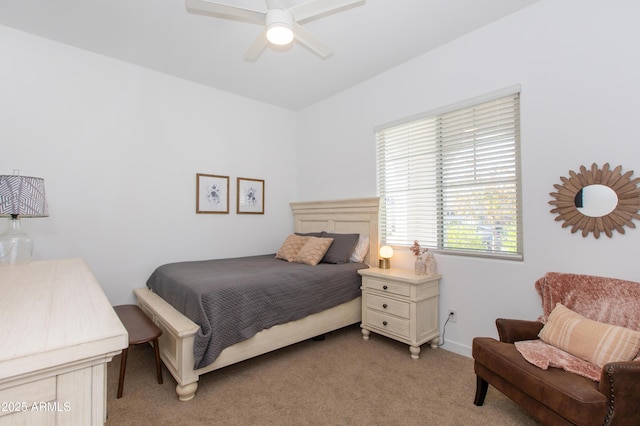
[{"x": 281, "y": 25}]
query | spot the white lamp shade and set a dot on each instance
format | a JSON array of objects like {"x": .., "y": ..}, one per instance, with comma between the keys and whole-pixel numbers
[
  {"x": 23, "y": 196},
  {"x": 20, "y": 196},
  {"x": 386, "y": 252}
]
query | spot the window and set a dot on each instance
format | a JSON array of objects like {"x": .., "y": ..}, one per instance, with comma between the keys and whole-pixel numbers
[{"x": 452, "y": 179}]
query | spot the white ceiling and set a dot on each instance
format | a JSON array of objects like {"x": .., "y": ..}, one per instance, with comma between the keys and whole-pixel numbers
[{"x": 161, "y": 35}]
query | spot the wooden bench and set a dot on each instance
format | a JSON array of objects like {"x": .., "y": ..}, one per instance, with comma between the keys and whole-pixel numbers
[{"x": 141, "y": 330}]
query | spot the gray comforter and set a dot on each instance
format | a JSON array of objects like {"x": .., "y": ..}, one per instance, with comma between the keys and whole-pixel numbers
[{"x": 233, "y": 299}]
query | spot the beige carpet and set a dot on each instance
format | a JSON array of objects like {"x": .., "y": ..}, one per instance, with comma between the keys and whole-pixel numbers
[{"x": 342, "y": 380}]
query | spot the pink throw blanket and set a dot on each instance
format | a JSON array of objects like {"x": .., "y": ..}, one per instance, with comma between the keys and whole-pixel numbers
[{"x": 608, "y": 300}]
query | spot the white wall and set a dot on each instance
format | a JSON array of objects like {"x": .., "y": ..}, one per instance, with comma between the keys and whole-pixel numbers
[
  {"x": 119, "y": 147},
  {"x": 578, "y": 65}
]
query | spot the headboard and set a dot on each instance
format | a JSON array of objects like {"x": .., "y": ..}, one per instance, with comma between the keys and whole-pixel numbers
[{"x": 351, "y": 216}]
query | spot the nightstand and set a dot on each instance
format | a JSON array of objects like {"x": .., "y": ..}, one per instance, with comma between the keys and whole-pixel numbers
[{"x": 401, "y": 305}]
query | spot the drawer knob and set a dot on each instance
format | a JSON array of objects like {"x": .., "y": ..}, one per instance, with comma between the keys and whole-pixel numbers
[
  {"x": 384, "y": 323},
  {"x": 384, "y": 287},
  {"x": 384, "y": 305}
]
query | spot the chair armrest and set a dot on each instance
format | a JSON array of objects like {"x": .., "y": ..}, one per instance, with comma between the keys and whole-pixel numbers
[
  {"x": 620, "y": 383},
  {"x": 513, "y": 330}
]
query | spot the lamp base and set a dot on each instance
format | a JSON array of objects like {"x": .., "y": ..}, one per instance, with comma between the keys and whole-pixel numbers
[
  {"x": 384, "y": 263},
  {"x": 15, "y": 245}
]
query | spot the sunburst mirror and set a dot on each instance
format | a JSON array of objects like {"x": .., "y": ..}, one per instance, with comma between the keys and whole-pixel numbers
[{"x": 597, "y": 200}]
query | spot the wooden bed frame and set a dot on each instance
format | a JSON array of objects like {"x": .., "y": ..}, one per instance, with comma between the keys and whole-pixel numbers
[{"x": 178, "y": 332}]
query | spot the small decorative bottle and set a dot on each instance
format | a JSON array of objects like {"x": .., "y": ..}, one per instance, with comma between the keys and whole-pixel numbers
[
  {"x": 430, "y": 264},
  {"x": 420, "y": 266}
]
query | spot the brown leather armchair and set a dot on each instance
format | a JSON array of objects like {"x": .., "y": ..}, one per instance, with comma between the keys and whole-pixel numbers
[{"x": 554, "y": 396}]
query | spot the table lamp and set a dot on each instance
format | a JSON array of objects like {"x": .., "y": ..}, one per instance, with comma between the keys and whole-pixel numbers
[
  {"x": 20, "y": 196},
  {"x": 386, "y": 253}
]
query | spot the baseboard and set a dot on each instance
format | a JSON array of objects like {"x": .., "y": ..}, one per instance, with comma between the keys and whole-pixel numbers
[{"x": 457, "y": 348}]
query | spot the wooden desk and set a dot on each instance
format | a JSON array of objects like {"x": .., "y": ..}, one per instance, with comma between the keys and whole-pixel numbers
[{"x": 58, "y": 333}]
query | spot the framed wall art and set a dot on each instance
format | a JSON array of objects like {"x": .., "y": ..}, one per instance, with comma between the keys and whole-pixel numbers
[
  {"x": 250, "y": 196},
  {"x": 212, "y": 193}
]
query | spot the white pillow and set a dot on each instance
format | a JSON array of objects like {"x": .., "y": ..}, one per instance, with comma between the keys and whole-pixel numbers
[{"x": 361, "y": 250}]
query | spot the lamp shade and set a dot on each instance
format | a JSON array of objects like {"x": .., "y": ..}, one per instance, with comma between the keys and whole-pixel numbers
[
  {"x": 22, "y": 196},
  {"x": 386, "y": 252}
]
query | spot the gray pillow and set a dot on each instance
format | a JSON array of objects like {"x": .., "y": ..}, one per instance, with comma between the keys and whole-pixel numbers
[
  {"x": 341, "y": 248},
  {"x": 310, "y": 234}
]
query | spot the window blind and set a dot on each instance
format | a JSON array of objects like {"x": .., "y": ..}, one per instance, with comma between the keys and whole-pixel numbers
[{"x": 452, "y": 180}]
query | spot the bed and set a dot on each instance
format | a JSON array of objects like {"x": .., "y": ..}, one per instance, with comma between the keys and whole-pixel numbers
[{"x": 179, "y": 332}]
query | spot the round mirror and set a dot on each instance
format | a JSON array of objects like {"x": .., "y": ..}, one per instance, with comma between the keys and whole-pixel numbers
[{"x": 597, "y": 200}]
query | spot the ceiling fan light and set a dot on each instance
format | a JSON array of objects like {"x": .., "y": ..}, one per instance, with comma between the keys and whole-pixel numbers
[
  {"x": 279, "y": 34},
  {"x": 279, "y": 26}
]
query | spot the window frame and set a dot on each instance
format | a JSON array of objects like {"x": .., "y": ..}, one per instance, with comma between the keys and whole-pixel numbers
[{"x": 514, "y": 194}]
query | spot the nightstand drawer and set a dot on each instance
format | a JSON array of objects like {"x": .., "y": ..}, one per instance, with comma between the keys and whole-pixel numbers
[
  {"x": 388, "y": 323},
  {"x": 390, "y": 306},
  {"x": 388, "y": 286}
]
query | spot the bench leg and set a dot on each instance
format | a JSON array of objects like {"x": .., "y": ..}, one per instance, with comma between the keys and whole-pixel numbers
[
  {"x": 158, "y": 364},
  {"x": 123, "y": 367},
  {"x": 481, "y": 390}
]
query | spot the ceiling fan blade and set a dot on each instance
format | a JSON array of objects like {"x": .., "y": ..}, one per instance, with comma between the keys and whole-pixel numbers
[
  {"x": 225, "y": 11},
  {"x": 310, "y": 41},
  {"x": 255, "y": 50},
  {"x": 317, "y": 8}
]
